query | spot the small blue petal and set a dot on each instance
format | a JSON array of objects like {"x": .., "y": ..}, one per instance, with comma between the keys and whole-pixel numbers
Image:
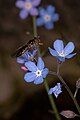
[
  {"x": 33, "y": 11},
  {"x": 70, "y": 56},
  {"x": 31, "y": 66},
  {"x": 58, "y": 85},
  {"x": 25, "y": 55},
  {"x": 36, "y": 2},
  {"x": 50, "y": 9},
  {"x": 49, "y": 25},
  {"x": 23, "y": 14},
  {"x": 53, "y": 52},
  {"x": 50, "y": 91},
  {"x": 40, "y": 21},
  {"x": 20, "y": 4},
  {"x": 20, "y": 60},
  {"x": 62, "y": 59},
  {"x": 34, "y": 53},
  {"x": 45, "y": 72},
  {"x": 69, "y": 48},
  {"x": 55, "y": 17},
  {"x": 42, "y": 11},
  {"x": 59, "y": 91},
  {"x": 40, "y": 63},
  {"x": 28, "y": 1},
  {"x": 29, "y": 77},
  {"x": 58, "y": 46},
  {"x": 38, "y": 80},
  {"x": 56, "y": 95},
  {"x": 54, "y": 88}
]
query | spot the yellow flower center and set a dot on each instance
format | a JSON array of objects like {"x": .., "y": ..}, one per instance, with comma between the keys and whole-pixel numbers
[
  {"x": 47, "y": 18},
  {"x": 38, "y": 73},
  {"x": 28, "y": 5}
]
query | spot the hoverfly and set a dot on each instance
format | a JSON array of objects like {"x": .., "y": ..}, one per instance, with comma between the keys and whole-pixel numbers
[{"x": 30, "y": 45}]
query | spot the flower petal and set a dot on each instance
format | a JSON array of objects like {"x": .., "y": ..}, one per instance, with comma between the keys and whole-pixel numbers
[
  {"x": 49, "y": 25},
  {"x": 62, "y": 59},
  {"x": 50, "y": 91},
  {"x": 23, "y": 14},
  {"x": 45, "y": 72},
  {"x": 33, "y": 11},
  {"x": 20, "y": 4},
  {"x": 58, "y": 85},
  {"x": 58, "y": 46},
  {"x": 40, "y": 63},
  {"x": 42, "y": 11},
  {"x": 29, "y": 77},
  {"x": 55, "y": 17},
  {"x": 70, "y": 56},
  {"x": 53, "y": 52},
  {"x": 34, "y": 53},
  {"x": 31, "y": 66},
  {"x": 20, "y": 60},
  {"x": 40, "y": 21},
  {"x": 25, "y": 55},
  {"x": 56, "y": 95},
  {"x": 69, "y": 48},
  {"x": 50, "y": 9},
  {"x": 38, "y": 80},
  {"x": 36, "y": 2}
]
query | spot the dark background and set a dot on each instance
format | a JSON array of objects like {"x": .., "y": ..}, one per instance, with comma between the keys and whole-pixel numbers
[{"x": 20, "y": 100}]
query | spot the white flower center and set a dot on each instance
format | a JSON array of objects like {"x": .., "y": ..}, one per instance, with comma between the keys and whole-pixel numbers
[
  {"x": 38, "y": 73},
  {"x": 62, "y": 55},
  {"x": 28, "y": 5},
  {"x": 47, "y": 18}
]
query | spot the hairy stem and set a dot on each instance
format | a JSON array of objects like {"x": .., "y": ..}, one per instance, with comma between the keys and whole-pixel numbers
[
  {"x": 45, "y": 82},
  {"x": 75, "y": 92}
]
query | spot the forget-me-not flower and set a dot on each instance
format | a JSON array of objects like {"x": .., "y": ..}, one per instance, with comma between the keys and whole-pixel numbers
[
  {"x": 28, "y": 7},
  {"x": 56, "y": 90},
  {"x": 27, "y": 56},
  {"x": 47, "y": 17},
  {"x": 37, "y": 72},
  {"x": 62, "y": 52}
]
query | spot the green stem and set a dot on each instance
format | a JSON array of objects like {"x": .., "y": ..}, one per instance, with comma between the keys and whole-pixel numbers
[
  {"x": 75, "y": 92},
  {"x": 52, "y": 101},
  {"x": 34, "y": 26},
  {"x": 35, "y": 32},
  {"x": 45, "y": 82}
]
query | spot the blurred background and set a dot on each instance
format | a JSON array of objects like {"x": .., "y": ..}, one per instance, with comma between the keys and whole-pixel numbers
[{"x": 20, "y": 100}]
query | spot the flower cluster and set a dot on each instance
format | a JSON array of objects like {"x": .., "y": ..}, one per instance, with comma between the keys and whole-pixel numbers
[
  {"x": 36, "y": 71},
  {"x": 46, "y": 17}
]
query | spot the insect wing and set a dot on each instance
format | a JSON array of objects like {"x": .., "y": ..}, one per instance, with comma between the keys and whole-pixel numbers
[{"x": 20, "y": 51}]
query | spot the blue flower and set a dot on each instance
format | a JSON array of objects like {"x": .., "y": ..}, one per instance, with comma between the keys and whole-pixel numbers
[
  {"x": 56, "y": 90},
  {"x": 47, "y": 17},
  {"x": 60, "y": 52},
  {"x": 27, "y": 56},
  {"x": 37, "y": 72},
  {"x": 28, "y": 7}
]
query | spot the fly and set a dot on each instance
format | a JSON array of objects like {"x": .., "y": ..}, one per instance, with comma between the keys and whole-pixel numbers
[{"x": 30, "y": 46}]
